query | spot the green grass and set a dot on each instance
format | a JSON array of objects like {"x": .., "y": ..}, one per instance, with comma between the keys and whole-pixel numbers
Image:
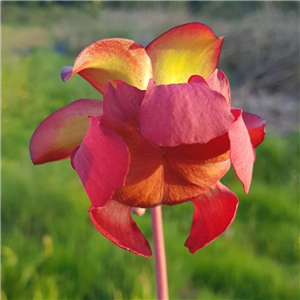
[{"x": 50, "y": 250}]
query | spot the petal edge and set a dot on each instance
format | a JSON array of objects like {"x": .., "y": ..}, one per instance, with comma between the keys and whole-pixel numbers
[
  {"x": 62, "y": 131},
  {"x": 115, "y": 223},
  {"x": 214, "y": 212}
]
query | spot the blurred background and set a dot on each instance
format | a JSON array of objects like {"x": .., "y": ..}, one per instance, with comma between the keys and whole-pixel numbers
[{"x": 50, "y": 250}]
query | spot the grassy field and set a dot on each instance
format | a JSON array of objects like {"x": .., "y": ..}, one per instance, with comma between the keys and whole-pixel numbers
[{"x": 50, "y": 250}]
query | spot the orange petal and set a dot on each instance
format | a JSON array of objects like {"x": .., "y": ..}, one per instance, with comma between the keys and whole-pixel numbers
[
  {"x": 112, "y": 59},
  {"x": 183, "y": 51},
  {"x": 172, "y": 175},
  {"x": 57, "y": 136},
  {"x": 190, "y": 170}
]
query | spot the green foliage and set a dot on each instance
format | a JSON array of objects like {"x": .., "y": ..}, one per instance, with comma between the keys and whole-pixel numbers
[{"x": 50, "y": 250}]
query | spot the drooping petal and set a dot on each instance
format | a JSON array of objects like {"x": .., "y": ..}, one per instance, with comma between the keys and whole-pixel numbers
[
  {"x": 214, "y": 212},
  {"x": 256, "y": 128},
  {"x": 112, "y": 59},
  {"x": 115, "y": 223},
  {"x": 184, "y": 51},
  {"x": 241, "y": 150},
  {"x": 189, "y": 113},
  {"x": 102, "y": 163},
  {"x": 60, "y": 133}
]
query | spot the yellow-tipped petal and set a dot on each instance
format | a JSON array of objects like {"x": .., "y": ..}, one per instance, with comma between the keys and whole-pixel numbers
[
  {"x": 112, "y": 59},
  {"x": 183, "y": 51}
]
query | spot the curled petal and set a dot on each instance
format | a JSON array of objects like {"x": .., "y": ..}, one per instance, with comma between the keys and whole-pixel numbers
[
  {"x": 59, "y": 134},
  {"x": 112, "y": 59},
  {"x": 256, "y": 128},
  {"x": 214, "y": 212},
  {"x": 241, "y": 150},
  {"x": 189, "y": 113},
  {"x": 102, "y": 163},
  {"x": 115, "y": 223},
  {"x": 184, "y": 51}
]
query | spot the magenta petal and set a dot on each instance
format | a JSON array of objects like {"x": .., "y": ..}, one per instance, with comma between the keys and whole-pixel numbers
[
  {"x": 58, "y": 135},
  {"x": 66, "y": 73},
  {"x": 189, "y": 113},
  {"x": 115, "y": 223},
  {"x": 121, "y": 106},
  {"x": 102, "y": 163},
  {"x": 256, "y": 128},
  {"x": 214, "y": 212},
  {"x": 241, "y": 150}
]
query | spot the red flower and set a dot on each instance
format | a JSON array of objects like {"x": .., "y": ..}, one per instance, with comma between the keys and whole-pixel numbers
[{"x": 165, "y": 133}]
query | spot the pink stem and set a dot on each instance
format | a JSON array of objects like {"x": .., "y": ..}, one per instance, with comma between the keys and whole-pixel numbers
[{"x": 159, "y": 254}]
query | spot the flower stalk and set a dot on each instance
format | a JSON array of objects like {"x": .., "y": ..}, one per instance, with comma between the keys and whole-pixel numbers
[{"x": 159, "y": 254}]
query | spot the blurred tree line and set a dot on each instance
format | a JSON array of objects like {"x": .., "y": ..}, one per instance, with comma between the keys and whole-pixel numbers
[{"x": 230, "y": 9}]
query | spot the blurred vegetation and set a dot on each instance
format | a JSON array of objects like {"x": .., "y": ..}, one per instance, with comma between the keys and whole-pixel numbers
[
  {"x": 50, "y": 250},
  {"x": 229, "y": 8}
]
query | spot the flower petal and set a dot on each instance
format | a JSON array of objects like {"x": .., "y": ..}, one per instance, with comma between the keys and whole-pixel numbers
[
  {"x": 189, "y": 113},
  {"x": 112, "y": 59},
  {"x": 184, "y": 51},
  {"x": 190, "y": 170},
  {"x": 115, "y": 223},
  {"x": 102, "y": 163},
  {"x": 256, "y": 128},
  {"x": 144, "y": 181},
  {"x": 121, "y": 107},
  {"x": 218, "y": 82},
  {"x": 214, "y": 212},
  {"x": 241, "y": 150},
  {"x": 58, "y": 135},
  {"x": 160, "y": 175}
]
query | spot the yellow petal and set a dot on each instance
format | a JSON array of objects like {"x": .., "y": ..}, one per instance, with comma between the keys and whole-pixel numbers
[{"x": 183, "y": 51}]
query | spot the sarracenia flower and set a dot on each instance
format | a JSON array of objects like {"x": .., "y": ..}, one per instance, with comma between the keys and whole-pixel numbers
[{"x": 164, "y": 134}]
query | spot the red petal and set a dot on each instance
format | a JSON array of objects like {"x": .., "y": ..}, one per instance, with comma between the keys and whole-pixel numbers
[
  {"x": 214, "y": 212},
  {"x": 241, "y": 150},
  {"x": 184, "y": 51},
  {"x": 256, "y": 128},
  {"x": 115, "y": 223},
  {"x": 217, "y": 81},
  {"x": 112, "y": 59},
  {"x": 58, "y": 135},
  {"x": 189, "y": 113},
  {"x": 102, "y": 163},
  {"x": 121, "y": 107}
]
